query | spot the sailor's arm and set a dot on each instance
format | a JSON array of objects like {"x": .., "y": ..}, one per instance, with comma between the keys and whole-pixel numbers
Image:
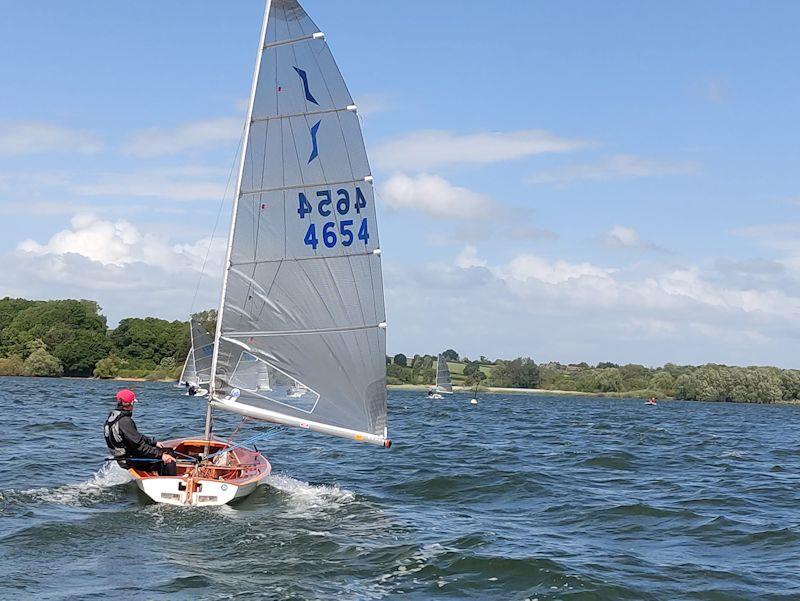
[{"x": 137, "y": 441}]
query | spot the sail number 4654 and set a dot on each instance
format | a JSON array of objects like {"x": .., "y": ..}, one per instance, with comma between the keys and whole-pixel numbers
[{"x": 347, "y": 231}]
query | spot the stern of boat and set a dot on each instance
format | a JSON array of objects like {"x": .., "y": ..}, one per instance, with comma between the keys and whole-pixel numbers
[{"x": 234, "y": 474}]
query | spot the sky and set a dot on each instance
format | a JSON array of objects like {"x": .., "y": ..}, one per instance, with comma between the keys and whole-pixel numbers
[{"x": 569, "y": 181}]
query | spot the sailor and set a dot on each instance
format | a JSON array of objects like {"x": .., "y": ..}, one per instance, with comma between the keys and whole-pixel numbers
[
  {"x": 192, "y": 389},
  {"x": 130, "y": 447}
]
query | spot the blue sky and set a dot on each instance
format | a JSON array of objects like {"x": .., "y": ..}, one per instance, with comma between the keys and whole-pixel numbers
[{"x": 571, "y": 181}]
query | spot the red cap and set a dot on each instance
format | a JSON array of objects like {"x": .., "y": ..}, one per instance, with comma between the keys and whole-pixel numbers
[{"x": 126, "y": 397}]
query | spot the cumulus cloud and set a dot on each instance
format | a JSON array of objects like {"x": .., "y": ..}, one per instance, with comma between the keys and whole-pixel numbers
[
  {"x": 580, "y": 310},
  {"x": 128, "y": 270},
  {"x": 39, "y": 137},
  {"x": 613, "y": 168},
  {"x": 196, "y": 135},
  {"x": 435, "y": 196},
  {"x": 423, "y": 150},
  {"x": 119, "y": 243}
]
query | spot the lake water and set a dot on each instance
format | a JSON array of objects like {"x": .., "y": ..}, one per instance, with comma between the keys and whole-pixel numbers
[{"x": 521, "y": 497}]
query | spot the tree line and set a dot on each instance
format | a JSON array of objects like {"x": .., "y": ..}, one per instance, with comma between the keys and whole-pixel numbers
[{"x": 72, "y": 338}]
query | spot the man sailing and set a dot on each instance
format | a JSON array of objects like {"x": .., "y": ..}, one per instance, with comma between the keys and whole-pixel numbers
[{"x": 130, "y": 447}]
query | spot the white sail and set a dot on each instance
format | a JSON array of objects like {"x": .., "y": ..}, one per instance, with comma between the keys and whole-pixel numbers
[
  {"x": 197, "y": 367},
  {"x": 303, "y": 290},
  {"x": 443, "y": 381},
  {"x": 189, "y": 373}
]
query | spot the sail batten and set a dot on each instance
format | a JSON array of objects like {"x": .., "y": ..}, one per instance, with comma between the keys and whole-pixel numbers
[
  {"x": 302, "y": 305},
  {"x": 366, "y": 179}
]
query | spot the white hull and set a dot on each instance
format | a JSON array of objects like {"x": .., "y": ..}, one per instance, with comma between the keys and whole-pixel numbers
[
  {"x": 167, "y": 489},
  {"x": 234, "y": 474}
]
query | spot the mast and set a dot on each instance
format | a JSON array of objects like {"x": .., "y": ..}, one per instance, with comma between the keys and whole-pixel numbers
[{"x": 237, "y": 194}]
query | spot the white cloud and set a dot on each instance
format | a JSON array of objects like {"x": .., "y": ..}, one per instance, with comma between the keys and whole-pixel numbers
[
  {"x": 39, "y": 137},
  {"x": 423, "y": 150},
  {"x": 613, "y": 168},
  {"x": 627, "y": 238},
  {"x": 197, "y": 135},
  {"x": 468, "y": 257},
  {"x": 129, "y": 271},
  {"x": 119, "y": 243},
  {"x": 574, "y": 311},
  {"x": 435, "y": 196}
]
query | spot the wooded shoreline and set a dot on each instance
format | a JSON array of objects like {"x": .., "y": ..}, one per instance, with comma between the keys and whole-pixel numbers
[{"x": 72, "y": 338}]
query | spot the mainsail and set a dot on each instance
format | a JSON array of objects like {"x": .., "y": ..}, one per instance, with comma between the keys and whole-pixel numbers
[
  {"x": 443, "y": 381},
  {"x": 303, "y": 290},
  {"x": 197, "y": 367}
]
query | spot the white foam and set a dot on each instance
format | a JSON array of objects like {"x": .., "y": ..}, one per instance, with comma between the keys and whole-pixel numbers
[
  {"x": 76, "y": 494},
  {"x": 309, "y": 496}
]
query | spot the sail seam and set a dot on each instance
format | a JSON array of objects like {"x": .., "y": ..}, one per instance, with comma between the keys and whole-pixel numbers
[
  {"x": 309, "y": 113},
  {"x": 298, "y": 332},
  {"x": 295, "y": 259}
]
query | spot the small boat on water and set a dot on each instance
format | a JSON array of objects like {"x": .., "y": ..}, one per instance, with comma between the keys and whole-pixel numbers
[
  {"x": 301, "y": 328},
  {"x": 651, "y": 401},
  {"x": 196, "y": 373},
  {"x": 208, "y": 473},
  {"x": 444, "y": 384}
]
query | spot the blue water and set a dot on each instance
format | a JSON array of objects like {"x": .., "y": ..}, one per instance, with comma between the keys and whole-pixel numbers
[{"x": 521, "y": 497}]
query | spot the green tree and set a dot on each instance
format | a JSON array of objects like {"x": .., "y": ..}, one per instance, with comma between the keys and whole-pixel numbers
[
  {"x": 663, "y": 382},
  {"x": 450, "y": 355},
  {"x": 11, "y": 366},
  {"x": 80, "y": 355},
  {"x": 43, "y": 364},
  {"x": 522, "y": 372},
  {"x": 401, "y": 360},
  {"x": 108, "y": 367},
  {"x": 472, "y": 368}
]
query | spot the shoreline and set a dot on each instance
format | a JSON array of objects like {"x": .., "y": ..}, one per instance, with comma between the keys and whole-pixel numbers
[{"x": 468, "y": 389}]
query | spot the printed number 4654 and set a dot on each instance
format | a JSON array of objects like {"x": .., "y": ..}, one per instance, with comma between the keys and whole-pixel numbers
[{"x": 330, "y": 235}]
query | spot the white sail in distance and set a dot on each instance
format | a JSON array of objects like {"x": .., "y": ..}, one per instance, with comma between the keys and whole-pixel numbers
[
  {"x": 189, "y": 373},
  {"x": 197, "y": 367},
  {"x": 443, "y": 381},
  {"x": 303, "y": 290}
]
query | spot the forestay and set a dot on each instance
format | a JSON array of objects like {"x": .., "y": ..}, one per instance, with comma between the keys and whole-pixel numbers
[
  {"x": 303, "y": 291},
  {"x": 443, "y": 381}
]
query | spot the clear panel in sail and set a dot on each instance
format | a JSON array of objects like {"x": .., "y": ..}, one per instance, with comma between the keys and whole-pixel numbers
[{"x": 304, "y": 290}]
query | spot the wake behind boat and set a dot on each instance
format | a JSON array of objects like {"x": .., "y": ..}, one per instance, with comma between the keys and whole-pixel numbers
[{"x": 300, "y": 338}]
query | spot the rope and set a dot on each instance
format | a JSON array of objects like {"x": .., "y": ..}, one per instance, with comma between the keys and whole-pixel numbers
[{"x": 247, "y": 443}]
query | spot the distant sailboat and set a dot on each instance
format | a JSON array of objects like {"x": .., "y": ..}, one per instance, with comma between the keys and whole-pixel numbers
[
  {"x": 444, "y": 384},
  {"x": 197, "y": 367},
  {"x": 301, "y": 331}
]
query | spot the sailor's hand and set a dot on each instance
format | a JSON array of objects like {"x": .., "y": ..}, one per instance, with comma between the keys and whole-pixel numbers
[
  {"x": 160, "y": 445},
  {"x": 167, "y": 458}
]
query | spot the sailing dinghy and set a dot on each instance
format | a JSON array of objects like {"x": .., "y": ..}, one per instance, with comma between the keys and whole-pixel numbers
[
  {"x": 444, "y": 384},
  {"x": 301, "y": 331},
  {"x": 197, "y": 367}
]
